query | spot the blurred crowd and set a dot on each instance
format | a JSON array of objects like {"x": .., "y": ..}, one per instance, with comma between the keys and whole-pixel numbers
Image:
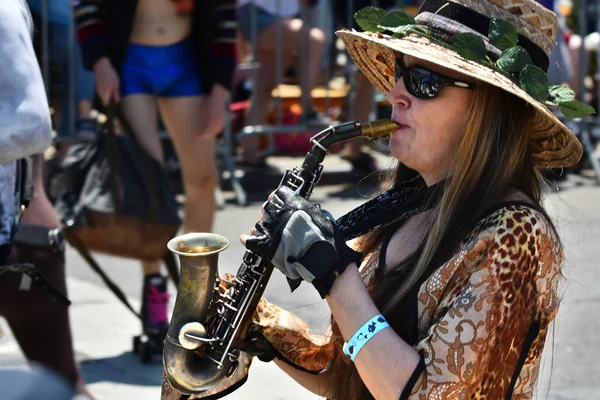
[{"x": 167, "y": 71}]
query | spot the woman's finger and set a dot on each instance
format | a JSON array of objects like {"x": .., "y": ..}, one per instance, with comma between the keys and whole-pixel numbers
[{"x": 262, "y": 209}]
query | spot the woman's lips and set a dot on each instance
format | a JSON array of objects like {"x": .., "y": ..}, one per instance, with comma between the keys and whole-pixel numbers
[{"x": 401, "y": 126}]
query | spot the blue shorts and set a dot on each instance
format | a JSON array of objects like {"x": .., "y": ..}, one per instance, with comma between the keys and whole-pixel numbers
[
  {"x": 164, "y": 71},
  {"x": 264, "y": 19}
]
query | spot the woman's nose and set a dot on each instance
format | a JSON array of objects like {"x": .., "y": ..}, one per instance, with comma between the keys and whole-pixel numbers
[{"x": 398, "y": 96}]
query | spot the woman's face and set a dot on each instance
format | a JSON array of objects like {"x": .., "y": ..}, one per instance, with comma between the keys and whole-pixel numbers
[{"x": 430, "y": 129}]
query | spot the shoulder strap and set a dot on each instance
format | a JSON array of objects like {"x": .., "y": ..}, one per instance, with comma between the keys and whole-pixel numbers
[
  {"x": 26, "y": 180},
  {"x": 532, "y": 333},
  {"x": 83, "y": 251}
]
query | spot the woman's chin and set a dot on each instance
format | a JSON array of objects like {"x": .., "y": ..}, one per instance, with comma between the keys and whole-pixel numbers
[{"x": 397, "y": 151}]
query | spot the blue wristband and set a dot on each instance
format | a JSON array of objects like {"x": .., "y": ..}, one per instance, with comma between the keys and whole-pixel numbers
[{"x": 363, "y": 335}]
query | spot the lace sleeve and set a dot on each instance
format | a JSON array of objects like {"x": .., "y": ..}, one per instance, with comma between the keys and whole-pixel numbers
[
  {"x": 289, "y": 336},
  {"x": 474, "y": 348}
]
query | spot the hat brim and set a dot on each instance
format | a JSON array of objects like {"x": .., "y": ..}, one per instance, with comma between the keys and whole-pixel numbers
[{"x": 553, "y": 144}]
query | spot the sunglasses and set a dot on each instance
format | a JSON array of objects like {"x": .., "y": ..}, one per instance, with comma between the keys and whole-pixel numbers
[{"x": 423, "y": 83}]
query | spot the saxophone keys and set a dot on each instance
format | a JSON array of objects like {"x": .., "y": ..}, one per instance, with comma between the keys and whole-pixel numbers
[
  {"x": 192, "y": 335},
  {"x": 232, "y": 308}
]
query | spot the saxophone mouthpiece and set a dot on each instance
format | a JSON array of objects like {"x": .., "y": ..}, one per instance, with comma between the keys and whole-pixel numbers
[{"x": 378, "y": 128}]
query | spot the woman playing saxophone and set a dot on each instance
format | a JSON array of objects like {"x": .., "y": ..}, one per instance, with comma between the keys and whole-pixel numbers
[{"x": 451, "y": 284}]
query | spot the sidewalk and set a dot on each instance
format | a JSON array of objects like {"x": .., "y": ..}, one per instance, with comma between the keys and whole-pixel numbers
[
  {"x": 103, "y": 331},
  {"x": 103, "y": 328}
]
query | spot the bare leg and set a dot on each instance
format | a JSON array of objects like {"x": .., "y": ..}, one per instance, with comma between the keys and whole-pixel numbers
[
  {"x": 141, "y": 113},
  {"x": 261, "y": 100},
  {"x": 363, "y": 104},
  {"x": 316, "y": 48},
  {"x": 196, "y": 155},
  {"x": 291, "y": 35},
  {"x": 575, "y": 42}
]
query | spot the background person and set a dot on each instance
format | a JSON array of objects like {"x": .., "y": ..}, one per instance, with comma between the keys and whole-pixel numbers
[
  {"x": 291, "y": 31},
  {"x": 174, "y": 59},
  {"x": 25, "y": 130}
]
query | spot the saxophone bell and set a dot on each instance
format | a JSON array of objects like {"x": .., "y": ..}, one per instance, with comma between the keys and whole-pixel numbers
[{"x": 187, "y": 371}]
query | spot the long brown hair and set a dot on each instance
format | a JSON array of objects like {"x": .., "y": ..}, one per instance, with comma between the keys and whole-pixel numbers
[{"x": 493, "y": 157}]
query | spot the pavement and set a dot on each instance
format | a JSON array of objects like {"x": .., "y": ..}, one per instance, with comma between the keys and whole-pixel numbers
[{"x": 103, "y": 328}]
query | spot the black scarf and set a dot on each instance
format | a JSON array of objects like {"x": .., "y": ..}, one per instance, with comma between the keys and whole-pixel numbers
[{"x": 406, "y": 199}]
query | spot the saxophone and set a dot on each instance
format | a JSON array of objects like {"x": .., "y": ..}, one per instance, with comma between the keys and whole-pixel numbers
[{"x": 201, "y": 346}]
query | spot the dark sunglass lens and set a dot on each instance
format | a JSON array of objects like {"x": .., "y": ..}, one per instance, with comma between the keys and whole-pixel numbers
[{"x": 422, "y": 83}]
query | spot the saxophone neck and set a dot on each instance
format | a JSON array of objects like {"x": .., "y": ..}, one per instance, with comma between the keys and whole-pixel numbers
[{"x": 377, "y": 129}]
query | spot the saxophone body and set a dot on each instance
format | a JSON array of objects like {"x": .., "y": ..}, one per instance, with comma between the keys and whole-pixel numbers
[{"x": 202, "y": 343}]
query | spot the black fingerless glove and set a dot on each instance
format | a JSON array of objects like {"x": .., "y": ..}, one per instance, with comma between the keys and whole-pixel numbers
[{"x": 301, "y": 241}]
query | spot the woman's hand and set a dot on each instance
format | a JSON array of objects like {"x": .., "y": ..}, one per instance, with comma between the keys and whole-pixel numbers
[
  {"x": 214, "y": 111},
  {"x": 300, "y": 241},
  {"x": 107, "y": 81}
]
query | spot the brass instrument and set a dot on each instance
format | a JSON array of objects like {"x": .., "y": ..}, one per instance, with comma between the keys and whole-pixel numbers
[{"x": 201, "y": 344}]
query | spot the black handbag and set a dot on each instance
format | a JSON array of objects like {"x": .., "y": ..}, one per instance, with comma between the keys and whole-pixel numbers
[{"x": 115, "y": 198}]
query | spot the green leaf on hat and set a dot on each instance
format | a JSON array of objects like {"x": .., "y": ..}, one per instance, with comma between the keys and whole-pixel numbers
[
  {"x": 514, "y": 59},
  {"x": 560, "y": 94},
  {"x": 395, "y": 19},
  {"x": 399, "y": 31},
  {"x": 503, "y": 34},
  {"x": 576, "y": 109},
  {"x": 534, "y": 81},
  {"x": 469, "y": 46},
  {"x": 369, "y": 18}
]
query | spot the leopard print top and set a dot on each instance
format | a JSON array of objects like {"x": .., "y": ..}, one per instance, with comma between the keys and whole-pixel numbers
[{"x": 474, "y": 313}]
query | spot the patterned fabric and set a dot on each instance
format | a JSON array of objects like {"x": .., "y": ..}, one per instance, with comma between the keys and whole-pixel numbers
[
  {"x": 445, "y": 29},
  {"x": 9, "y": 202},
  {"x": 409, "y": 198},
  {"x": 473, "y": 312}
]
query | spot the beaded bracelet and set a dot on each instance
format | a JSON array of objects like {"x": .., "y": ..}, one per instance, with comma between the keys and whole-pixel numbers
[{"x": 363, "y": 335}]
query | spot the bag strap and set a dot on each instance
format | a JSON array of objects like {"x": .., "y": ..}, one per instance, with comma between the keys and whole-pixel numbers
[
  {"x": 38, "y": 278},
  {"x": 83, "y": 251},
  {"x": 114, "y": 160},
  {"x": 143, "y": 167}
]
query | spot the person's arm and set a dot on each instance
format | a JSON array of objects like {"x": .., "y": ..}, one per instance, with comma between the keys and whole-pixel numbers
[
  {"x": 318, "y": 384},
  {"x": 220, "y": 66},
  {"x": 481, "y": 333},
  {"x": 386, "y": 362},
  {"x": 25, "y": 127},
  {"x": 293, "y": 347},
  {"x": 90, "y": 28}
]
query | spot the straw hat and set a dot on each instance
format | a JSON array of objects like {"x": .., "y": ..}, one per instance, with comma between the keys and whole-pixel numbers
[{"x": 552, "y": 143}]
